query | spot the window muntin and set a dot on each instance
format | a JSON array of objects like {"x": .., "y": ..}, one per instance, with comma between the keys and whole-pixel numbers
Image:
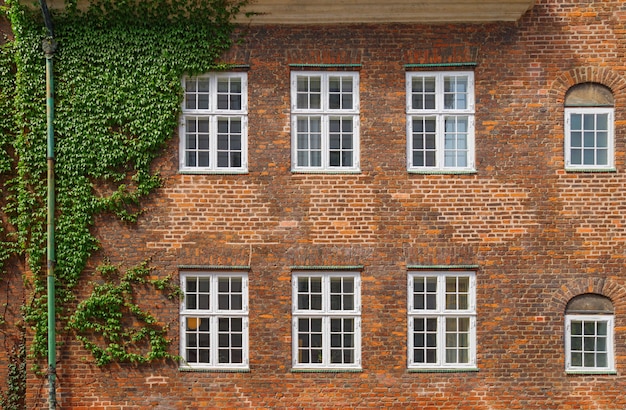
[
  {"x": 326, "y": 320},
  {"x": 589, "y": 138},
  {"x": 442, "y": 320},
  {"x": 325, "y": 121},
  {"x": 214, "y": 320},
  {"x": 214, "y": 122},
  {"x": 440, "y": 121}
]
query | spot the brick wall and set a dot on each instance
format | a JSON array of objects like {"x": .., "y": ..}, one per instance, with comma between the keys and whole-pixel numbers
[{"x": 539, "y": 235}]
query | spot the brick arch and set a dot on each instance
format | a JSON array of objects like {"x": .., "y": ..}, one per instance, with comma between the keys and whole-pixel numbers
[
  {"x": 600, "y": 75},
  {"x": 601, "y": 286}
]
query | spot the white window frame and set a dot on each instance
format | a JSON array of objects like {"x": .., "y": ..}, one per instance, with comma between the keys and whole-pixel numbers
[
  {"x": 571, "y": 367},
  {"x": 325, "y": 115},
  {"x": 213, "y": 315},
  {"x": 440, "y": 314},
  {"x": 439, "y": 114},
  {"x": 610, "y": 112},
  {"x": 214, "y": 114},
  {"x": 326, "y": 314}
]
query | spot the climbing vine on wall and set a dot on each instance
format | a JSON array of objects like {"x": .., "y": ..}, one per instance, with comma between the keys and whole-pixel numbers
[
  {"x": 112, "y": 312},
  {"x": 117, "y": 92},
  {"x": 7, "y": 89}
]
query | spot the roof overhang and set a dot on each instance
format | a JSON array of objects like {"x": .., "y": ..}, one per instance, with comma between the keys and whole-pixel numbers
[
  {"x": 372, "y": 11},
  {"x": 386, "y": 11}
]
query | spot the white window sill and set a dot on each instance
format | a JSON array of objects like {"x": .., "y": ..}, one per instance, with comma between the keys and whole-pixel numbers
[
  {"x": 327, "y": 370},
  {"x": 212, "y": 172},
  {"x": 439, "y": 171},
  {"x": 591, "y": 372},
  {"x": 214, "y": 369},
  {"x": 443, "y": 370},
  {"x": 326, "y": 171}
]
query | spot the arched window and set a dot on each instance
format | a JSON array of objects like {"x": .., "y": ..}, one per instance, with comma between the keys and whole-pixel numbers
[
  {"x": 589, "y": 334},
  {"x": 589, "y": 112}
]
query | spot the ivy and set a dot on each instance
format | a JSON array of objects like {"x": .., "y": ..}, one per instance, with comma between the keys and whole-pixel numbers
[
  {"x": 7, "y": 134},
  {"x": 14, "y": 397},
  {"x": 112, "y": 313},
  {"x": 117, "y": 98}
]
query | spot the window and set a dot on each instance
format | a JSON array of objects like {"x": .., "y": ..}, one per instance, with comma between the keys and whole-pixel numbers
[
  {"x": 589, "y": 128},
  {"x": 325, "y": 121},
  {"x": 214, "y": 320},
  {"x": 213, "y": 130},
  {"x": 326, "y": 320},
  {"x": 442, "y": 320},
  {"x": 440, "y": 121},
  {"x": 589, "y": 334}
]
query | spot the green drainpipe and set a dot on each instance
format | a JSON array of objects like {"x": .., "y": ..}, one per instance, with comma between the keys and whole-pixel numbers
[{"x": 49, "y": 47}]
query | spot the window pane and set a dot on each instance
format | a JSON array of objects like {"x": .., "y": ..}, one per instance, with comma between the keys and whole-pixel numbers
[
  {"x": 334, "y": 140},
  {"x": 340, "y": 93},
  {"x": 203, "y": 140},
  {"x": 192, "y": 356},
  {"x": 310, "y": 293},
  {"x": 589, "y": 122},
  {"x": 423, "y": 93},
  {"x": 203, "y": 296},
  {"x": 203, "y": 102},
  {"x": 340, "y": 142},
  {"x": 424, "y": 340},
  {"x": 455, "y": 92},
  {"x": 192, "y": 285},
  {"x": 455, "y": 141},
  {"x": 197, "y": 340},
  {"x": 424, "y": 293},
  {"x": 222, "y": 101},
  {"x": 424, "y": 142},
  {"x": 302, "y": 101},
  {"x": 236, "y": 356},
  {"x": 204, "y": 85},
  {"x": 309, "y": 340},
  {"x": 346, "y": 101},
  {"x": 451, "y": 302},
  {"x": 334, "y": 101},
  {"x": 315, "y": 101},
  {"x": 308, "y": 92},
  {"x": 302, "y": 140},
  {"x": 309, "y": 141}
]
